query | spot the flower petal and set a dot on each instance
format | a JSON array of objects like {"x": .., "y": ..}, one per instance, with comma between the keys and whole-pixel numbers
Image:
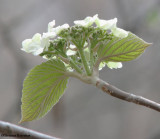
[
  {"x": 58, "y": 29},
  {"x": 71, "y": 52},
  {"x": 118, "y": 32},
  {"x": 36, "y": 38},
  {"x": 88, "y": 21},
  {"x": 37, "y": 51},
  {"x": 51, "y": 25},
  {"x": 114, "y": 65},
  {"x": 25, "y": 45},
  {"x": 106, "y": 24},
  {"x": 49, "y": 35},
  {"x": 72, "y": 46},
  {"x": 102, "y": 65}
]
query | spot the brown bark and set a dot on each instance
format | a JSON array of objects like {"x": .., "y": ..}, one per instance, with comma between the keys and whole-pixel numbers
[{"x": 115, "y": 92}]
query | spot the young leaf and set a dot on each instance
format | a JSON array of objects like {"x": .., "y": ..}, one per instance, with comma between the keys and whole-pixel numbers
[
  {"x": 42, "y": 89},
  {"x": 122, "y": 49}
]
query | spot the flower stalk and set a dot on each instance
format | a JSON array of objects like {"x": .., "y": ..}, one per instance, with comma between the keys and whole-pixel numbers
[
  {"x": 84, "y": 61},
  {"x": 75, "y": 67}
]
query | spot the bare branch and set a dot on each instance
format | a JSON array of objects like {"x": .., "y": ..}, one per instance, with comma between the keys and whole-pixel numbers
[
  {"x": 11, "y": 130},
  {"x": 115, "y": 92}
]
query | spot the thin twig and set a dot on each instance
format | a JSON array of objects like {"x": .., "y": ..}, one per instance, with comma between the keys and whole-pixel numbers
[
  {"x": 11, "y": 130},
  {"x": 115, "y": 92}
]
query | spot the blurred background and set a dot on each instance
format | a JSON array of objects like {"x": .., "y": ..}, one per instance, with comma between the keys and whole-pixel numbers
[{"x": 84, "y": 112}]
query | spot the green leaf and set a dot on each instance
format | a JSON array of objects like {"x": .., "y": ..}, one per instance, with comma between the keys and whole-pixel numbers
[
  {"x": 122, "y": 49},
  {"x": 42, "y": 89}
]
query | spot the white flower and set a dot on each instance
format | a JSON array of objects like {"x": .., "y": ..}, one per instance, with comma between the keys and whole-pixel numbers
[
  {"x": 58, "y": 29},
  {"x": 49, "y": 35},
  {"x": 114, "y": 65},
  {"x": 111, "y": 25},
  {"x": 51, "y": 25},
  {"x": 72, "y": 46},
  {"x": 71, "y": 52},
  {"x": 111, "y": 65},
  {"x": 106, "y": 24},
  {"x": 102, "y": 65},
  {"x": 53, "y": 32},
  {"x": 118, "y": 32},
  {"x": 88, "y": 21},
  {"x": 35, "y": 45}
]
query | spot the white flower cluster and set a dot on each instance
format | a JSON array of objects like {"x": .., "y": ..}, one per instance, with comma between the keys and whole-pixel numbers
[
  {"x": 104, "y": 24},
  {"x": 39, "y": 42}
]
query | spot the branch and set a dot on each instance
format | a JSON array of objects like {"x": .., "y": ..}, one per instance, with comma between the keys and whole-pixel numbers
[
  {"x": 11, "y": 130},
  {"x": 115, "y": 92}
]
